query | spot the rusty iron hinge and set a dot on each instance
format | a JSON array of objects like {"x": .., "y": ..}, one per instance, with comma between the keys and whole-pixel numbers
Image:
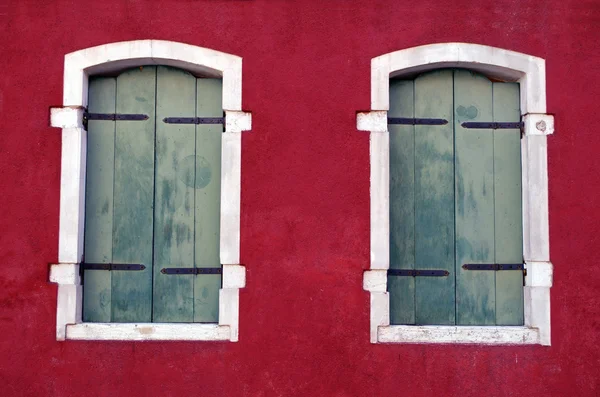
[
  {"x": 112, "y": 266},
  {"x": 493, "y": 266},
  {"x": 416, "y": 121},
  {"x": 194, "y": 120},
  {"x": 417, "y": 273},
  {"x": 191, "y": 270}
]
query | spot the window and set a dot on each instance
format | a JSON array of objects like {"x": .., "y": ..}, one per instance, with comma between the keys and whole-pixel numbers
[
  {"x": 167, "y": 211},
  {"x": 152, "y": 199},
  {"x": 455, "y": 201},
  {"x": 437, "y": 309}
]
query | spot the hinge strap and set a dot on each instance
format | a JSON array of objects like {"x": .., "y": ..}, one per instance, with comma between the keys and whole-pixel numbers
[
  {"x": 493, "y": 266},
  {"x": 417, "y": 273},
  {"x": 114, "y": 116},
  {"x": 112, "y": 266},
  {"x": 416, "y": 121},
  {"x": 492, "y": 125},
  {"x": 194, "y": 120},
  {"x": 191, "y": 270}
]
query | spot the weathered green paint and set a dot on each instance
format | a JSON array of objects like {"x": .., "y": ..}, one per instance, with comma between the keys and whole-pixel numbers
[
  {"x": 153, "y": 197},
  {"x": 134, "y": 196},
  {"x": 434, "y": 199},
  {"x": 474, "y": 200},
  {"x": 174, "y": 197},
  {"x": 459, "y": 203},
  {"x": 99, "y": 201},
  {"x": 508, "y": 211},
  {"x": 207, "y": 191},
  {"x": 402, "y": 203}
]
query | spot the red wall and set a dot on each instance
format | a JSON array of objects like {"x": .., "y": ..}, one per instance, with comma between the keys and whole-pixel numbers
[{"x": 305, "y": 199}]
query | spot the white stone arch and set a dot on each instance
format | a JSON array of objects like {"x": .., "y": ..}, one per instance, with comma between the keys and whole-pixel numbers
[
  {"x": 506, "y": 65},
  {"x": 113, "y": 57}
]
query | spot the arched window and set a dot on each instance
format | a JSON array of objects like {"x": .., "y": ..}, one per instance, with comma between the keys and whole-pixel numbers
[
  {"x": 459, "y": 209},
  {"x": 155, "y": 229}
]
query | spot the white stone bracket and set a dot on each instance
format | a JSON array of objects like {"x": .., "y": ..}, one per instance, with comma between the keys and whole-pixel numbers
[
  {"x": 538, "y": 124},
  {"x": 69, "y": 323},
  {"x": 67, "y": 117},
  {"x": 373, "y": 121}
]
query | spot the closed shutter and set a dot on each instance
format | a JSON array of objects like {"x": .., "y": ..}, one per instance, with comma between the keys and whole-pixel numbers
[
  {"x": 455, "y": 198},
  {"x": 153, "y": 198}
]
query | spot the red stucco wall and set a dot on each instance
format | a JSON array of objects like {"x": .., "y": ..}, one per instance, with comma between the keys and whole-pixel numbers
[{"x": 305, "y": 200}]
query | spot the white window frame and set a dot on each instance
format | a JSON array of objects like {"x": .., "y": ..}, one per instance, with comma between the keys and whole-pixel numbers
[
  {"x": 114, "y": 57},
  {"x": 530, "y": 72}
]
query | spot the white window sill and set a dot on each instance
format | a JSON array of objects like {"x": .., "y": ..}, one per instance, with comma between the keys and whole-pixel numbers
[
  {"x": 148, "y": 332},
  {"x": 458, "y": 334}
]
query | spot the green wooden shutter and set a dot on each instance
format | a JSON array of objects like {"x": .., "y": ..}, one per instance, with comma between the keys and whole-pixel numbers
[
  {"x": 98, "y": 236},
  {"x": 455, "y": 198},
  {"x": 208, "y": 199},
  {"x": 153, "y": 197}
]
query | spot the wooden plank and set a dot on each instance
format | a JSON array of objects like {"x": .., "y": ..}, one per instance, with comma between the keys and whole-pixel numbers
[
  {"x": 207, "y": 191},
  {"x": 174, "y": 197},
  {"x": 508, "y": 206},
  {"x": 133, "y": 196},
  {"x": 434, "y": 199},
  {"x": 402, "y": 203},
  {"x": 474, "y": 200},
  {"x": 99, "y": 200}
]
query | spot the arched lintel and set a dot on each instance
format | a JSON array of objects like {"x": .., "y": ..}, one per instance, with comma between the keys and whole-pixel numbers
[
  {"x": 494, "y": 62},
  {"x": 113, "y": 57}
]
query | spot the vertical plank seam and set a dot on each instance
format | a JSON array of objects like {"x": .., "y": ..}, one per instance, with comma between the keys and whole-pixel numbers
[
  {"x": 114, "y": 165},
  {"x": 196, "y": 128},
  {"x": 494, "y": 207},
  {"x": 414, "y": 223},
  {"x": 151, "y": 265},
  {"x": 454, "y": 196}
]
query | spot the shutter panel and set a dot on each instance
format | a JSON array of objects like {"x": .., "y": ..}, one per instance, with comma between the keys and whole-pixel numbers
[
  {"x": 153, "y": 197},
  {"x": 174, "y": 196},
  {"x": 207, "y": 191},
  {"x": 402, "y": 203},
  {"x": 508, "y": 206},
  {"x": 434, "y": 198},
  {"x": 464, "y": 186},
  {"x": 133, "y": 196},
  {"x": 474, "y": 200},
  {"x": 98, "y": 238}
]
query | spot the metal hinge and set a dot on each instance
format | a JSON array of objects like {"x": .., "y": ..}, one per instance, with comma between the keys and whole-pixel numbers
[
  {"x": 493, "y": 266},
  {"x": 416, "y": 121},
  {"x": 191, "y": 270},
  {"x": 112, "y": 117},
  {"x": 417, "y": 273},
  {"x": 112, "y": 266},
  {"x": 496, "y": 125},
  {"x": 194, "y": 120}
]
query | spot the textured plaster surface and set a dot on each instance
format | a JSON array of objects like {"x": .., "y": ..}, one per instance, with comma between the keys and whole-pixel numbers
[{"x": 304, "y": 317}]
